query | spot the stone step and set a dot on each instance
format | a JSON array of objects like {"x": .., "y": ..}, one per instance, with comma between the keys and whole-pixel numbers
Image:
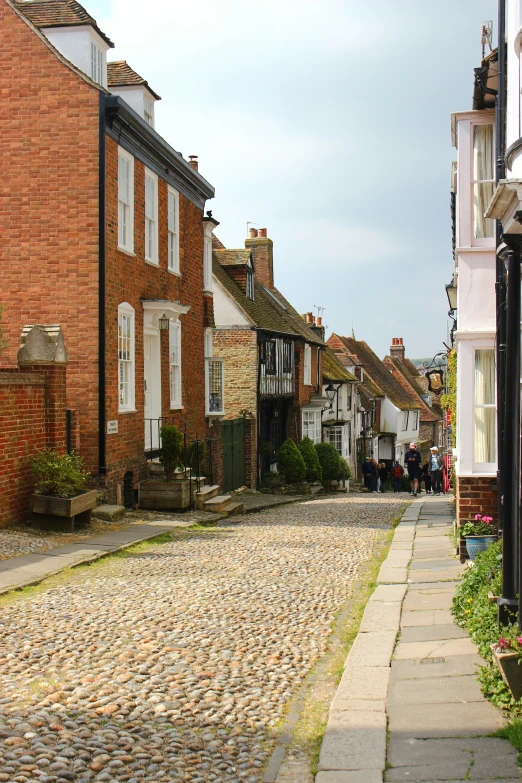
[
  {"x": 233, "y": 509},
  {"x": 207, "y": 492},
  {"x": 218, "y": 503}
]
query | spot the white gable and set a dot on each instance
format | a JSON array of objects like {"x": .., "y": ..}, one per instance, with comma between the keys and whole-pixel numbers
[{"x": 226, "y": 312}]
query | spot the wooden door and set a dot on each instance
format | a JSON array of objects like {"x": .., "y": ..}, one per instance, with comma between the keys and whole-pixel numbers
[{"x": 233, "y": 434}]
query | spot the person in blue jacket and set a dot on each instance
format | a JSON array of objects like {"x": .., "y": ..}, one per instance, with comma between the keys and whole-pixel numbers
[{"x": 412, "y": 461}]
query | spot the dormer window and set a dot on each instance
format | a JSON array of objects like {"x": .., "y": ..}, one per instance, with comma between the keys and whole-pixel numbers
[
  {"x": 250, "y": 283},
  {"x": 148, "y": 112},
  {"x": 96, "y": 64}
]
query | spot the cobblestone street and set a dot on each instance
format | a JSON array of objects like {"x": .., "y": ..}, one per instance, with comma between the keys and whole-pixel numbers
[{"x": 177, "y": 663}]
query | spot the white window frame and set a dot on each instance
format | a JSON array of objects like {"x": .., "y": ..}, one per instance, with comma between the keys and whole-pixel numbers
[
  {"x": 151, "y": 218},
  {"x": 173, "y": 231},
  {"x": 405, "y": 417},
  {"x": 307, "y": 379},
  {"x": 415, "y": 423},
  {"x": 250, "y": 282},
  {"x": 175, "y": 366},
  {"x": 483, "y": 467},
  {"x": 207, "y": 263},
  {"x": 148, "y": 115},
  {"x": 96, "y": 64},
  {"x": 126, "y": 207},
  {"x": 311, "y": 424},
  {"x": 480, "y": 241},
  {"x": 126, "y": 358}
]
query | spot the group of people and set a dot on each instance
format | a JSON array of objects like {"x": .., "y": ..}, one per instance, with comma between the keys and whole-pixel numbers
[{"x": 375, "y": 474}]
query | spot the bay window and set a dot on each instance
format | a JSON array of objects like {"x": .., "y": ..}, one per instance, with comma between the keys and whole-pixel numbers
[
  {"x": 311, "y": 425},
  {"x": 485, "y": 407},
  {"x": 483, "y": 179}
]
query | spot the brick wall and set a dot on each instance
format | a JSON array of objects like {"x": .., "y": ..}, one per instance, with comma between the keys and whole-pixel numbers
[
  {"x": 32, "y": 417},
  {"x": 239, "y": 349},
  {"x": 49, "y": 207},
  {"x": 474, "y": 496},
  {"x": 130, "y": 279}
]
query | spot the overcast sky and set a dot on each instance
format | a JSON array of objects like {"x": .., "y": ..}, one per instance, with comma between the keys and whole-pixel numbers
[{"x": 328, "y": 122}]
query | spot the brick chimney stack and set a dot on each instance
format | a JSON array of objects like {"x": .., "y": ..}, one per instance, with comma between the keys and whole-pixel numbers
[
  {"x": 263, "y": 254},
  {"x": 397, "y": 349}
]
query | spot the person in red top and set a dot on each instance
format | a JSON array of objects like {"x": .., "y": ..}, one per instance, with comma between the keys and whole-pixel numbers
[{"x": 397, "y": 472}]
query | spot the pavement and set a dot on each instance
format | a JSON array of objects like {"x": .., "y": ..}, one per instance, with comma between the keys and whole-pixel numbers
[{"x": 413, "y": 670}]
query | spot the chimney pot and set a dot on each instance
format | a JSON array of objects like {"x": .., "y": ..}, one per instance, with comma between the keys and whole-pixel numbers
[
  {"x": 252, "y": 233},
  {"x": 309, "y": 318},
  {"x": 319, "y": 320},
  {"x": 262, "y": 233},
  {"x": 193, "y": 161}
]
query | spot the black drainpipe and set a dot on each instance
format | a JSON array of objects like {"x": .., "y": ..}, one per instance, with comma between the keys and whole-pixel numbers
[{"x": 102, "y": 467}]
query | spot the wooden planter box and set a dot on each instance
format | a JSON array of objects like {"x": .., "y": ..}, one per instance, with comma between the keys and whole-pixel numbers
[
  {"x": 164, "y": 495},
  {"x": 49, "y": 511},
  {"x": 510, "y": 669}
]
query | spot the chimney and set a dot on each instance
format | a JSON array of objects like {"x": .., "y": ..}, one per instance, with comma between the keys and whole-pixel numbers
[
  {"x": 263, "y": 254},
  {"x": 397, "y": 350},
  {"x": 252, "y": 233},
  {"x": 193, "y": 161}
]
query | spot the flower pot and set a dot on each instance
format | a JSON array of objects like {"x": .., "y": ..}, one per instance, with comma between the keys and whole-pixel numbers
[
  {"x": 510, "y": 669},
  {"x": 63, "y": 512},
  {"x": 476, "y": 544}
]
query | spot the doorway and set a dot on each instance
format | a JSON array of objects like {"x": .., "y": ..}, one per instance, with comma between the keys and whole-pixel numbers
[{"x": 152, "y": 388}]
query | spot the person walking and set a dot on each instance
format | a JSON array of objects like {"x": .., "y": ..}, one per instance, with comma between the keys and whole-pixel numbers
[
  {"x": 412, "y": 460},
  {"x": 436, "y": 467},
  {"x": 397, "y": 473},
  {"x": 426, "y": 477},
  {"x": 366, "y": 470},
  {"x": 383, "y": 475}
]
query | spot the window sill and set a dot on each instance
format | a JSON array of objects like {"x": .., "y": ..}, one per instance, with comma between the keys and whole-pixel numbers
[
  {"x": 151, "y": 263},
  {"x": 176, "y": 407},
  {"x": 208, "y": 291},
  {"x": 127, "y": 410},
  {"x": 215, "y": 414},
  {"x": 173, "y": 272},
  {"x": 126, "y": 252}
]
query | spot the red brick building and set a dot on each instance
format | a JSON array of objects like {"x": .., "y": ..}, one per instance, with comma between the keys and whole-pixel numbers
[
  {"x": 103, "y": 233},
  {"x": 273, "y": 356}
]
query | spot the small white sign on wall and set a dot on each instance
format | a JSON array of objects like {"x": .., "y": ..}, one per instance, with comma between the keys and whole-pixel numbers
[{"x": 112, "y": 427}]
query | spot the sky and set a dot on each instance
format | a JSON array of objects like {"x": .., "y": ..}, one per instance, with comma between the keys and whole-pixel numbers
[{"x": 328, "y": 123}]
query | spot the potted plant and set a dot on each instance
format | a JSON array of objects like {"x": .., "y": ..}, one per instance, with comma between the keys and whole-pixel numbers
[
  {"x": 479, "y": 534},
  {"x": 507, "y": 655},
  {"x": 61, "y": 497},
  {"x": 172, "y": 490}
]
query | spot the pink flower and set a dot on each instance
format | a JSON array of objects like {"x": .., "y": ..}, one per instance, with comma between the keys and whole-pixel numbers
[
  {"x": 487, "y": 520},
  {"x": 503, "y": 644},
  {"x": 477, "y": 517},
  {"x": 519, "y": 640}
]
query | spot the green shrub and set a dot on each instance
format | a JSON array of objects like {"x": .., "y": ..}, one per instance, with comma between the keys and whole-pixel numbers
[
  {"x": 291, "y": 463},
  {"x": 311, "y": 460},
  {"x": 191, "y": 454},
  {"x": 57, "y": 474},
  {"x": 329, "y": 461},
  {"x": 345, "y": 469},
  {"x": 171, "y": 449}
]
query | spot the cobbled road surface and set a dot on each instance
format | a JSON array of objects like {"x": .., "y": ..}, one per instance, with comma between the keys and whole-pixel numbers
[{"x": 177, "y": 663}]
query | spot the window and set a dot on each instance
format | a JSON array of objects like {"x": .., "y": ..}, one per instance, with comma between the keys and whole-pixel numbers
[
  {"x": 215, "y": 386},
  {"x": 405, "y": 417},
  {"x": 483, "y": 180},
  {"x": 148, "y": 112},
  {"x": 125, "y": 200},
  {"x": 415, "y": 420},
  {"x": 349, "y": 437},
  {"x": 312, "y": 425},
  {"x": 349, "y": 398},
  {"x": 270, "y": 357},
  {"x": 307, "y": 365},
  {"x": 250, "y": 283},
  {"x": 126, "y": 357},
  {"x": 207, "y": 264},
  {"x": 96, "y": 64},
  {"x": 485, "y": 406},
  {"x": 288, "y": 355},
  {"x": 151, "y": 217},
  {"x": 175, "y": 363},
  {"x": 173, "y": 230},
  {"x": 335, "y": 437}
]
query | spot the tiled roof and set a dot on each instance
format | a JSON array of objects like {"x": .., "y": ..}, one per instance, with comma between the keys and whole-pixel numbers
[
  {"x": 402, "y": 374},
  {"x": 217, "y": 244},
  {"x": 413, "y": 370},
  {"x": 401, "y": 397},
  {"x": 58, "y": 13},
  {"x": 269, "y": 310},
  {"x": 232, "y": 257},
  {"x": 333, "y": 369},
  {"x": 120, "y": 74}
]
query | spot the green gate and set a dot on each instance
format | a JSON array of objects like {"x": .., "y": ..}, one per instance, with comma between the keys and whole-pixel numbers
[{"x": 233, "y": 434}]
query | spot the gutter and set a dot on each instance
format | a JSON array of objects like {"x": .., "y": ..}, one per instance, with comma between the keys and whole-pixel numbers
[{"x": 102, "y": 452}]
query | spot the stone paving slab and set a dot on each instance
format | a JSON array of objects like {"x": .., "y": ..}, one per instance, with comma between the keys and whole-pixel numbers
[
  {"x": 372, "y": 649},
  {"x": 441, "y": 690},
  {"x": 359, "y": 705},
  {"x": 425, "y": 618},
  {"x": 431, "y": 588},
  {"x": 365, "y": 776},
  {"x": 414, "y": 752},
  {"x": 431, "y": 633},
  {"x": 421, "y": 553},
  {"x": 381, "y": 616},
  {"x": 444, "y": 720},
  {"x": 449, "y": 666},
  {"x": 390, "y": 575},
  {"x": 404, "y": 546},
  {"x": 370, "y": 685},
  {"x": 388, "y": 593},
  {"x": 435, "y": 649},
  {"x": 415, "y": 601},
  {"x": 431, "y": 532},
  {"x": 355, "y": 741},
  {"x": 438, "y": 564}
]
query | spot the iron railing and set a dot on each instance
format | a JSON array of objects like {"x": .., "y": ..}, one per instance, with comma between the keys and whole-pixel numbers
[{"x": 193, "y": 457}]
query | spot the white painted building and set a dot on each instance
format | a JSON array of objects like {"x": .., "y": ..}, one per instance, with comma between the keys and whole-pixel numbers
[{"x": 339, "y": 417}]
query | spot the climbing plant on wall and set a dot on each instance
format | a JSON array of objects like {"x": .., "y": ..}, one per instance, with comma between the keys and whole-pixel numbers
[{"x": 449, "y": 399}]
